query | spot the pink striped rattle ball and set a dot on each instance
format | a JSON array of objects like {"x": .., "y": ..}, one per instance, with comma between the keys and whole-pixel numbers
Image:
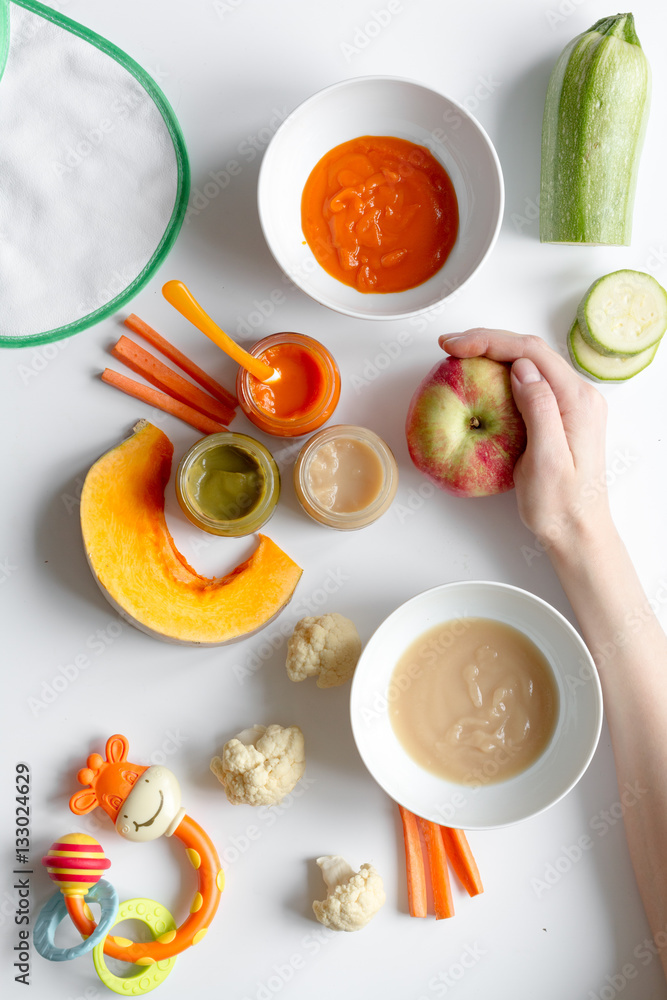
[{"x": 75, "y": 863}]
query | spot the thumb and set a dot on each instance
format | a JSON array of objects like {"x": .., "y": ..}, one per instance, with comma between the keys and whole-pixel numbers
[{"x": 538, "y": 406}]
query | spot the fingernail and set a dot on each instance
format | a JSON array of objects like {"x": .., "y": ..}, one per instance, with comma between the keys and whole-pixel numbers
[
  {"x": 525, "y": 371},
  {"x": 449, "y": 338}
]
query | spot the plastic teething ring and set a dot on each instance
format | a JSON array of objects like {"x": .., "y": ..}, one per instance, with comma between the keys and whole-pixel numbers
[
  {"x": 210, "y": 882},
  {"x": 160, "y": 921},
  {"x": 56, "y": 908}
]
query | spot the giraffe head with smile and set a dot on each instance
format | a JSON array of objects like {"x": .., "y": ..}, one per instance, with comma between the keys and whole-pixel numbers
[{"x": 144, "y": 802}]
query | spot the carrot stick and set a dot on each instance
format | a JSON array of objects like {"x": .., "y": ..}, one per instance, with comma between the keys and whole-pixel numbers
[
  {"x": 414, "y": 864},
  {"x": 162, "y": 377},
  {"x": 437, "y": 862},
  {"x": 461, "y": 859},
  {"x": 162, "y": 401},
  {"x": 189, "y": 367}
]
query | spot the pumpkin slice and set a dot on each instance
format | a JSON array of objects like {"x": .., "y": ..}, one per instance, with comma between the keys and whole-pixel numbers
[{"x": 141, "y": 572}]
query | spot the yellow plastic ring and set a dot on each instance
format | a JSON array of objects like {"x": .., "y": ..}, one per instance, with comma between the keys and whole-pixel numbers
[{"x": 159, "y": 920}]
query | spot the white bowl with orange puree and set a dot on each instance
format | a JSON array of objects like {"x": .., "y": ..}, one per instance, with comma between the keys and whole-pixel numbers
[
  {"x": 476, "y": 705},
  {"x": 392, "y": 112}
]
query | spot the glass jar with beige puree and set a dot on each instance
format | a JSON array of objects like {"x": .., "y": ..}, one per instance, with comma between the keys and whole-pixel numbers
[{"x": 345, "y": 476}]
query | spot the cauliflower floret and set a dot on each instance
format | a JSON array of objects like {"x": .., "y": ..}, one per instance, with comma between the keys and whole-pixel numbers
[
  {"x": 352, "y": 897},
  {"x": 327, "y": 647},
  {"x": 261, "y": 765}
]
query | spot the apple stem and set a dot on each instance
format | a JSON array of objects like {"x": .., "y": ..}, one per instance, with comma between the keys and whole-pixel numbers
[{"x": 475, "y": 422}]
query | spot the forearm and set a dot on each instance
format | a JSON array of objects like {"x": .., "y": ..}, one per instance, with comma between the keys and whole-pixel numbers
[
  {"x": 630, "y": 650},
  {"x": 559, "y": 483}
]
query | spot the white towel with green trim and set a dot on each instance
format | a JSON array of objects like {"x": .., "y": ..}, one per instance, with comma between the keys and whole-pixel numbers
[{"x": 94, "y": 176}]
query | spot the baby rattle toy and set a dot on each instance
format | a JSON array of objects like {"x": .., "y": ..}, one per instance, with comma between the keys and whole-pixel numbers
[
  {"x": 144, "y": 803},
  {"x": 75, "y": 863}
]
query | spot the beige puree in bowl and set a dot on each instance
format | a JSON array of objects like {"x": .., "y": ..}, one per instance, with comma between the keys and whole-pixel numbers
[{"x": 474, "y": 701}]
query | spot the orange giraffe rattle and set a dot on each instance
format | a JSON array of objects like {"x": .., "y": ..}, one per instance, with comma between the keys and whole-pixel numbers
[{"x": 145, "y": 803}]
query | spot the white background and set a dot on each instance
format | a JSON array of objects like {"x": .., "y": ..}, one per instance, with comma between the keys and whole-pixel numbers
[{"x": 231, "y": 70}]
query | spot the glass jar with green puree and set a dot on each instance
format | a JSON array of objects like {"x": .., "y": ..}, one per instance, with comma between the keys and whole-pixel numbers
[{"x": 228, "y": 484}]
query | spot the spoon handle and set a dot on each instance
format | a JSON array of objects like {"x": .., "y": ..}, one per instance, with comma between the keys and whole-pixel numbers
[{"x": 182, "y": 299}]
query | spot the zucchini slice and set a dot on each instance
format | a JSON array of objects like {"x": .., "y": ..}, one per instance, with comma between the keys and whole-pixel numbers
[
  {"x": 601, "y": 367},
  {"x": 623, "y": 313},
  {"x": 595, "y": 116}
]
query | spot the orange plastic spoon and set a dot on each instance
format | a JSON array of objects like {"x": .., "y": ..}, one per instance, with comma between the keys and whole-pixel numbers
[{"x": 182, "y": 299}]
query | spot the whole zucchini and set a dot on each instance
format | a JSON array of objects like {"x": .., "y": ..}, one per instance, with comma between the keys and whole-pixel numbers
[{"x": 593, "y": 129}]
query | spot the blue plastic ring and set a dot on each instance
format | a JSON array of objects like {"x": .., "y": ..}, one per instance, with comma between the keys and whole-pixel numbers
[{"x": 55, "y": 909}]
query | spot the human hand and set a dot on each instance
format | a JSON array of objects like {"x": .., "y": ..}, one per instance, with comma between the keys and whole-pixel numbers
[{"x": 560, "y": 478}]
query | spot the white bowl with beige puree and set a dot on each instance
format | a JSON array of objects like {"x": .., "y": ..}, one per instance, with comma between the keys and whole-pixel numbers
[{"x": 486, "y": 799}]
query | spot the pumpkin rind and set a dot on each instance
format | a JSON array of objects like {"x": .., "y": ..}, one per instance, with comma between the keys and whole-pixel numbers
[{"x": 141, "y": 572}]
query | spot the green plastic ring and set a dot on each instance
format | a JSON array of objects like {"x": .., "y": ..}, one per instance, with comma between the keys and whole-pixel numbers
[{"x": 159, "y": 920}]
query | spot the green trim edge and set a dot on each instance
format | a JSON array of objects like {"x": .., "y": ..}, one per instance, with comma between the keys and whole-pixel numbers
[{"x": 4, "y": 34}]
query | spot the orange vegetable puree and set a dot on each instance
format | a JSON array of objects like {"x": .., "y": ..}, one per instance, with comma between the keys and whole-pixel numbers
[
  {"x": 379, "y": 213},
  {"x": 301, "y": 385}
]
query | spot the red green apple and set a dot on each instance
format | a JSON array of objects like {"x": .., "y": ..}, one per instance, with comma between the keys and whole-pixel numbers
[{"x": 463, "y": 428}]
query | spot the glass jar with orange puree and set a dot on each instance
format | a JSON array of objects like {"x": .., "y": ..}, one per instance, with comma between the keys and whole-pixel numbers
[{"x": 305, "y": 395}]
